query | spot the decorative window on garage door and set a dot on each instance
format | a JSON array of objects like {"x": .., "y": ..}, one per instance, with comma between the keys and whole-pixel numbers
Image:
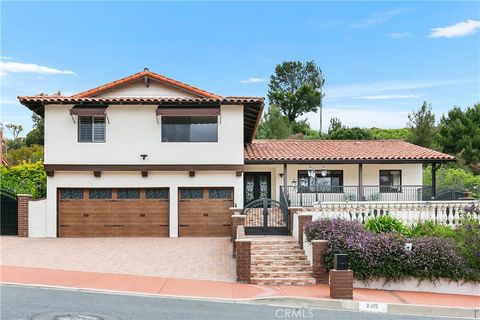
[
  {"x": 128, "y": 193},
  {"x": 219, "y": 193},
  {"x": 100, "y": 194},
  {"x": 191, "y": 193},
  {"x": 69, "y": 194},
  {"x": 156, "y": 193}
]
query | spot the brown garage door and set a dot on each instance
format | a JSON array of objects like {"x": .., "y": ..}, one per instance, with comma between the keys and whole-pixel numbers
[
  {"x": 110, "y": 212},
  {"x": 204, "y": 212}
]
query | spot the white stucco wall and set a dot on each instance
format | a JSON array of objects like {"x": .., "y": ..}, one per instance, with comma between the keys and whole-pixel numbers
[
  {"x": 132, "y": 131},
  {"x": 37, "y": 218},
  {"x": 172, "y": 180}
]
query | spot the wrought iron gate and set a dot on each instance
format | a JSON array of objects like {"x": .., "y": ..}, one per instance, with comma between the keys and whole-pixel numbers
[
  {"x": 8, "y": 212},
  {"x": 266, "y": 217}
]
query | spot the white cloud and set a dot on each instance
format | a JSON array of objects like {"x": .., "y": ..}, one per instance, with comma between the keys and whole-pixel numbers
[
  {"x": 253, "y": 80},
  {"x": 384, "y": 87},
  {"x": 16, "y": 67},
  {"x": 460, "y": 29},
  {"x": 390, "y": 97},
  {"x": 6, "y": 58},
  {"x": 398, "y": 35},
  {"x": 377, "y": 18}
]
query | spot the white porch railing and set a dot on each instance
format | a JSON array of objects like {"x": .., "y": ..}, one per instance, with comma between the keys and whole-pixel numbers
[{"x": 409, "y": 212}]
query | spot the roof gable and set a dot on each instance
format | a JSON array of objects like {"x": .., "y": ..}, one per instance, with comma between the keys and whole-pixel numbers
[{"x": 146, "y": 84}]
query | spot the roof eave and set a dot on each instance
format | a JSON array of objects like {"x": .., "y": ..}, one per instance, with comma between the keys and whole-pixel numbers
[{"x": 346, "y": 161}]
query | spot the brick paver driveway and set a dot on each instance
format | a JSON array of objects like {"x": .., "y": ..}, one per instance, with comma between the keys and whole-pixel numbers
[{"x": 185, "y": 258}]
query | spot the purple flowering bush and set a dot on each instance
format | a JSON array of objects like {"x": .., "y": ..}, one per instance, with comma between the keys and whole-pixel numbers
[
  {"x": 383, "y": 255},
  {"x": 467, "y": 239}
]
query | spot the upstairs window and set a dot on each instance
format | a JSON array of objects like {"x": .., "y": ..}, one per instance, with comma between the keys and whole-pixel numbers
[
  {"x": 91, "y": 129},
  {"x": 390, "y": 181},
  {"x": 190, "y": 129}
]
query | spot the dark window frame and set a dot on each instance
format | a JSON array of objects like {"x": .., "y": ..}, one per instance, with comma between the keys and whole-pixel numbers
[
  {"x": 181, "y": 197},
  {"x": 391, "y": 188},
  {"x": 220, "y": 199},
  {"x": 163, "y": 129},
  {"x": 95, "y": 189},
  {"x": 167, "y": 190},
  {"x": 137, "y": 198},
  {"x": 92, "y": 140},
  {"x": 302, "y": 174},
  {"x": 76, "y": 189}
]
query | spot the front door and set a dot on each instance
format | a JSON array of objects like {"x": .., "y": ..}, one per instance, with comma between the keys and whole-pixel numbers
[{"x": 257, "y": 185}]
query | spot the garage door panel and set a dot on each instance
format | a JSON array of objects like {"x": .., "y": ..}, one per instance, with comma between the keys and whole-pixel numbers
[
  {"x": 98, "y": 213},
  {"x": 205, "y": 216},
  {"x": 204, "y": 231}
]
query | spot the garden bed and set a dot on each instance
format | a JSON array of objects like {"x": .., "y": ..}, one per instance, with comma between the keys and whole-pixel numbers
[
  {"x": 386, "y": 254},
  {"x": 413, "y": 284}
]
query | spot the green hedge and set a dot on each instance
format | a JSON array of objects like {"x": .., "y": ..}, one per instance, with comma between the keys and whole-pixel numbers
[{"x": 25, "y": 178}]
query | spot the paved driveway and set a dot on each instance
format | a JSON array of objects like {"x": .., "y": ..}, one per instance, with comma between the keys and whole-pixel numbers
[{"x": 184, "y": 258}]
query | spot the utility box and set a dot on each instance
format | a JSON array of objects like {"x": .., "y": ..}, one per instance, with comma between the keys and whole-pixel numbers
[{"x": 340, "y": 262}]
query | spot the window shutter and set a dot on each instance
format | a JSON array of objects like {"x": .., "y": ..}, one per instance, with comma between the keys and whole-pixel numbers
[
  {"x": 85, "y": 129},
  {"x": 99, "y": 129}
]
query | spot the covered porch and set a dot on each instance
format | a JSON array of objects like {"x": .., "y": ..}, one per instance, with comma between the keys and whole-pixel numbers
[{"x": 304, "y": 173}]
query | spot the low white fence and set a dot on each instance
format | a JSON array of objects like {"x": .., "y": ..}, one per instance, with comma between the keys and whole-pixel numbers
[{"x": 409, "y": 212}]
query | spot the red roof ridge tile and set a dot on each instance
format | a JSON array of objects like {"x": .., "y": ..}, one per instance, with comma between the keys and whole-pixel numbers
[{"x": 139, "y": 75}]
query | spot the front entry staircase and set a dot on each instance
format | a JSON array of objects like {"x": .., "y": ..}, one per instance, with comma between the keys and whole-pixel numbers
[{"x": 279, "y": 261}]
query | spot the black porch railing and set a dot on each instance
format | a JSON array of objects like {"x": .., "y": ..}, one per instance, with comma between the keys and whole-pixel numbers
[{"x": 306, "y": 196}]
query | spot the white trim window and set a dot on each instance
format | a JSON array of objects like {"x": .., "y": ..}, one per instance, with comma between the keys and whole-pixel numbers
[{"x": 91, "y": 129}]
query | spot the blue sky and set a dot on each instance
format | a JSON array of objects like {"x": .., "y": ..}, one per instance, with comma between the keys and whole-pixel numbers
[{"x": 381, "y": 60}]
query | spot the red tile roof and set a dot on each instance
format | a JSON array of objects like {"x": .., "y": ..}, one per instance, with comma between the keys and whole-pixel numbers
[
  {"x": 26, "y": 100},
  {"x": 340, "y": 151},
  {"x": 151, "y": 75}
]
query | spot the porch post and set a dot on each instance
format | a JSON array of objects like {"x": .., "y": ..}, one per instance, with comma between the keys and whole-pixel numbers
[
  {"x": 285, "y": 178},
  {"x": 360, "y": 182},
  {"x": 434, "y": 180}
]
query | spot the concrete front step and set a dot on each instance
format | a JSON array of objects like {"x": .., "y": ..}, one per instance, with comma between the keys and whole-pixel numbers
[
  {"x": 284, "y": 281},
  {"x": 269, "y": 246},
  {"x": 297, "y": 256},
  {"x": 280, "y": 263},
  {"x": 281, "y": 275},
  {"x": 263, "y": 252},
  {"x": 281, "y": 268}
]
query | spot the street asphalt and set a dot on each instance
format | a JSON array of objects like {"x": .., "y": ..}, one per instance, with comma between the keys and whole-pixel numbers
[{"x": 35, "y": 303}]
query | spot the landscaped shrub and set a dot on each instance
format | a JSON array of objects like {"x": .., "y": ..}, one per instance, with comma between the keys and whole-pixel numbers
[
  {"x": 467, "y": 239},
  {"x": 25, "y": 178},
  {"x": 430, "y": 229},
  {"x": 385, "y": 224},
  {"x": 435, "y": 257},
  {"x": 384, "y": 255}
]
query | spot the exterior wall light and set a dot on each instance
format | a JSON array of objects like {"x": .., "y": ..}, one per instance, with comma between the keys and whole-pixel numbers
[
  {"x": 144, "y": 156},
  {"x": 323, "y": 172}
]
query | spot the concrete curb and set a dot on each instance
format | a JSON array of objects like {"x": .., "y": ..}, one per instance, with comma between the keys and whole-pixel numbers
[{"x": 293, "y": 302}]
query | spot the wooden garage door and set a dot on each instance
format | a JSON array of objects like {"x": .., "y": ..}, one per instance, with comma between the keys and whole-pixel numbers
[
  {"x": 204, "y": 212},
  {"x": 109, "y": 212}
]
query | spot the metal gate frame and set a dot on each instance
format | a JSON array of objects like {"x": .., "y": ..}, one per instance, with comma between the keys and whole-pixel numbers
[
  {"x": 8, "y": 212},
  {"x": 266, "y": 217}
]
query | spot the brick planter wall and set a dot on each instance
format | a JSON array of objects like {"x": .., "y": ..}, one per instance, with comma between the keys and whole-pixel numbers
[
  {"x": 319, "y": 248},
  {"x": 302, "y": 220},
  {"x": 243, "y": 252},
  {"x": 237, "y": 220},
  {"x": 23, "y": 200},
  {"x": 341, "y": 284}
]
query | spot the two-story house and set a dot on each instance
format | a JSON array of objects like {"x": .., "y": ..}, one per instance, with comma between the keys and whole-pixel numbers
[{"x": 147, "y": 155}]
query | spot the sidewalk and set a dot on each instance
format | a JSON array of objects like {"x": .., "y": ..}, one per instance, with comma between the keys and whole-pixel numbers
[{"x": 216, "y": 289}]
